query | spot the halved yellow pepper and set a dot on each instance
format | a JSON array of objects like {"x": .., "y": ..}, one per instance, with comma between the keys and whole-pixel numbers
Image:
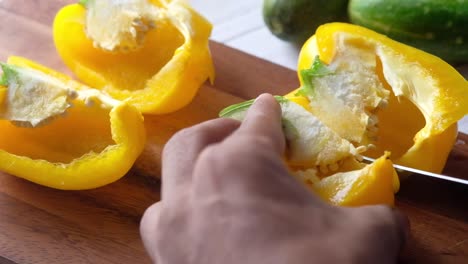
[
  {"x": 160, "y": 70},
  {"x": 360, "y": 88},
  {"x": 426, "y": 96},
  {"x": 94, "y": 142}
]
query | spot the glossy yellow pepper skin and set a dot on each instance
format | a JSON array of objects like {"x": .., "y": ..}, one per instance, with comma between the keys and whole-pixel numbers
[
  {"x": 89, "y": 147},
  {"x": 419, "y": 125},
  {"x": 160, "y": 77}
]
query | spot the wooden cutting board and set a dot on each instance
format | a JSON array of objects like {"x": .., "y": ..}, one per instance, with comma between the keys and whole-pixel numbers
[{"x": 42, "y": 225}]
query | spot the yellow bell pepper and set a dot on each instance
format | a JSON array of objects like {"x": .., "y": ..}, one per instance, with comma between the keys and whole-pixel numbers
[
  {"x": 61, "y": 134},
  {"x": 373, "y": 90},
  {"x": 153, "y": 53},
  {"x": 325, "y": 162}
]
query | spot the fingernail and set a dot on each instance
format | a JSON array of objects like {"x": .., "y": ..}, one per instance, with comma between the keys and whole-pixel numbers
[
  {"x": 261, "y": 95},
  {"x": 268, "y": 100}
]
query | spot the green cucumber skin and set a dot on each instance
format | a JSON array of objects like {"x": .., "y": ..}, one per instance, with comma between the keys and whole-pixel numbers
[
  {"x": 439, "y": 27},
  {"x": 296, "y": 20}
]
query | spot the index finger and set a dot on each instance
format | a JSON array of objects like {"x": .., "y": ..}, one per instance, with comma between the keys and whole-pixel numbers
[{"x": 264, "y": 119}]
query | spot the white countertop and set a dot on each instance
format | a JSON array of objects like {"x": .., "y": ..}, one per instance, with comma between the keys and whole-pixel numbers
[{"x": 239, "y": 24}]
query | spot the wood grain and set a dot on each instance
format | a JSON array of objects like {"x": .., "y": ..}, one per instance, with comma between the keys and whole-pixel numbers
[{"x": 42, "y": 225}]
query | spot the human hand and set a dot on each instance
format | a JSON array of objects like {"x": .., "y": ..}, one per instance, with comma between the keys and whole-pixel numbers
[{"x": 227, "y": 197}]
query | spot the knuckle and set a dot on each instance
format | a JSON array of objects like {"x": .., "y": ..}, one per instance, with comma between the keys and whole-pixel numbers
[
  {"x": 186, "y": 137},
  {"x": 157, "y": 229},
  {"x": 187, "y": 134},
  {"x": 212, "y": 155},
  {"x": 253, "y": 141},
  {"x": 203, "y": 131},
  {"x": 175, "y": 140},
  {"x": 150, "y": 215},
  {"x": 215, "y": 162},
  {"x": 227, "y": 157},
  {"x": 250, "y": 148}
]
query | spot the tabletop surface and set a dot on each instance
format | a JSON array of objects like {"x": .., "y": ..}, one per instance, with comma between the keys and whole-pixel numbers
[{"x": 43, "y": 225}]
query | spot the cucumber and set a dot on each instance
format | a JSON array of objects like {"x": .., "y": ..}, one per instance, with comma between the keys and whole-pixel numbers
[
  {"x": 435, "y": 26},
  {"x": 297, "y": 20}
]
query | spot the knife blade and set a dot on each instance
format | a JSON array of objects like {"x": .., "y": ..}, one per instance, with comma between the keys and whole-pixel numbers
[{"x": 422, "y": 172}]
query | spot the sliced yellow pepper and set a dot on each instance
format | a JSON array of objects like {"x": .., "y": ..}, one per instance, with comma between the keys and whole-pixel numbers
[
  {"x": 418, "y": 97},
  {"x": 153, "y": 53},
  {"x": 61, "y": 134},
  {"x": 326, "y": 163}
]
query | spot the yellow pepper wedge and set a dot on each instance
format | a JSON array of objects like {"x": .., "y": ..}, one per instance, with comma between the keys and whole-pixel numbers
[
  {"x": 161, "y": 76},
  {"x": 426, "y": 97},
  {"x": 94, "y": 143},
  {"x": 374, "y": 184}
]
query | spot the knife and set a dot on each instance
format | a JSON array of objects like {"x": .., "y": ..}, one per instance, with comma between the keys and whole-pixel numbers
[{"x": 422, "y": 172}]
